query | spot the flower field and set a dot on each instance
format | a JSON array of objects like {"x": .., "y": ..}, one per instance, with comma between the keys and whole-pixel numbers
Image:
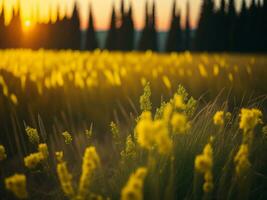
[{"x": 100, "y": 125}]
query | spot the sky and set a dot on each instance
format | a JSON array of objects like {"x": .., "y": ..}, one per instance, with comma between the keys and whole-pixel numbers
[{"x": 102, "y": 11}]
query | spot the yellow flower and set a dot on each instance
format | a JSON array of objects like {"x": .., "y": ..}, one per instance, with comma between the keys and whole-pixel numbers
[
  {"x": 249, "y": 118},
  {"x": 59, "y": 156},
  {"x": 33, "y": 160},
  {"x": 179, "y": 102},
  {"x": 2, "y": 153},
  {"x": 17, "y": 184},
  {"x": 203, "y": 163},
  {"x": 90, "y": 162},
  {"x": 241, "y": 160},
  {"x": 130, "y": 150},
  {"x": 67, "y": 136},
  {"x": 32, "y": 135},
  {"x": 202, "y": 70},
  {"x": 65, "y": 179},
  {"x": 167, "y": 82},
  {"x": 144, "y": 130},
  {"x": 179, "y": 123},
  {"x": 14, "y": 99},
  {"x": 133, "y": 190},
  {"x": 218, "y": 118},
  {"x": 150, "y": 133},
  {"x": 43, "y": 149}
]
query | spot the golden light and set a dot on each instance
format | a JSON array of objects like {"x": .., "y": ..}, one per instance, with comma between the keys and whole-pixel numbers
[{"x": 27, "y": 23}]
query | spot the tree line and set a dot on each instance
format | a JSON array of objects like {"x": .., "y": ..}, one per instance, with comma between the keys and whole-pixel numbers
[{"x": 219, "y": 29}]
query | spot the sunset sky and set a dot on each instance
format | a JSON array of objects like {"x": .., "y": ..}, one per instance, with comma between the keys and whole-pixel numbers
[{"x": 102, "y": 11}]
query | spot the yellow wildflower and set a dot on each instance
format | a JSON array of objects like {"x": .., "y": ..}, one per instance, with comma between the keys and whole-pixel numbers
[
  {"x": 241, "y": 160},
  {"x": 17, "y": 184},
  {"x": 65, "y": 179},
  {"x": 43, "y": 149},
  {"x": 218, "y": 118},
  {"x": 202, "y": 70},
  {"x": 2, "y": 153},
  {"x": 59, "y": 156},
  {"x": 14, "y": 99},
  {"x": 67, "y": 136},
  {"x": 249, "y": 118},
  {"x": 204, "y": 164},
  {"x": 167, "y": 82},
  {"x": 179, "y": 123},
  {"x": 32, "y": 135},
  {"x": 133, "y": 190},
  {"x": 32, "y": 160},
  {"x": 179, "y": 102},
  {"x": 90, "y": 162},
  {"x": 150, "y": 133}
]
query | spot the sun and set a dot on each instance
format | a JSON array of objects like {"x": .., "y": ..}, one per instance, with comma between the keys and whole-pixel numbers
[{"x": 27, "y": 23}]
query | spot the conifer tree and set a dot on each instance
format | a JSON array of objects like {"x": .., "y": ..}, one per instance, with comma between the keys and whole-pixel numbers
[
  {"x": 174, "y": 39},
  {"x": 231, "y": 26},
  {"x": 129, "y": 26},
  {"x": 187, "y": 43},
  {"x": 153, "y": 29},
  {"x": 2, "y": 31},
  {"x": 91, "y": 39},
  {"x": 144, "y": 39},
  {"x": 74, "y": 38},
  {"x": 111, "y": 41}
]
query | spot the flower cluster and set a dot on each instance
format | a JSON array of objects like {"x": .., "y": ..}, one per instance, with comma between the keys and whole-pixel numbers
[
  {"x": 218, "y": 118},
  {"x": 31, "y": 161},
  {"x": 249, "y": 119},
  {"x": 145, "y": 103},
  {"x": 203, "y": 165},
  {"x": 67, "y": 136},
  {"x": 179, "y": 123},
  {"x": 153, "y": 132},
  {"x": 90, "y": 162},
  {"x": 59, "y": 156},
  {"x": 43, "y": 149},
  {"x": 2, "y": 153},
  {"x": 17, "y": 184},
  {"x": 242, "y": 163},
  {"x": 33, "y": 135},
  {"x": 130, "y": 150},
  {"x": 65, "y": 179},
  {"x": 133, "y": 190}
]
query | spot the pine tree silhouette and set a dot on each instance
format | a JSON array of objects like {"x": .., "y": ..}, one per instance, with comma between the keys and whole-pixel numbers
[
  {"x": 231, "y": 24},
  {"x": 145, "y": 35},
  {"x": 91, "y": 39},
  {"x": 174, "y": 39},
  {"x": 242, "y": 29},
  {"x": 205, "y": 37},
  {"x": 187, "y": 38},
  {"x": 14, "y": 32},
  {"x": 129, "y": 29},
  {"x": 2, "y": 31},
  {"x": 74, "y": 38},
  {"x": 220, "y": 28},
  {"x": 122, "y": 28},
  {"x": 111, "y": 41},
  {"x": 153, "y": 31}
]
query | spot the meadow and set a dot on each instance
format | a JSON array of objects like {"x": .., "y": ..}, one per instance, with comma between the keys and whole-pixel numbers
[{"x": 111, "y": 125}]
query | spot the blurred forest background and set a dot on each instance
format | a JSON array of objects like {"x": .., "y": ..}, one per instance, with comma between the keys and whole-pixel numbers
[{"x": 219, "y": 30}]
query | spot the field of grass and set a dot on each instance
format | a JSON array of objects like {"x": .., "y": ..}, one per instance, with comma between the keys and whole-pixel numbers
[{"x": 101, "y": 125}]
